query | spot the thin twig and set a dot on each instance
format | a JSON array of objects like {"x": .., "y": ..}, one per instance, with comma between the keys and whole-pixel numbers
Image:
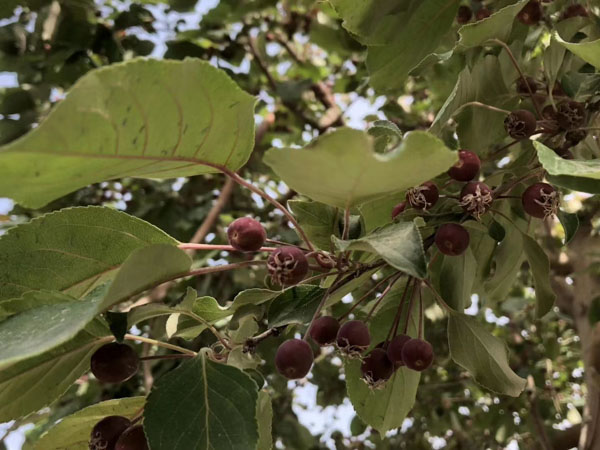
[
  {"x": 132, "y": 337},
  {"x": 382, "y": 296},
  {"x": 320, "y": 307},
  {"x": 366, "y": 295},
  {"x": 410, "y": 307},
  {"x": 229, "y": 248}
]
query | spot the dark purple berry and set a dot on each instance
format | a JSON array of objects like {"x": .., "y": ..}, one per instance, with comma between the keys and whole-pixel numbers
[
  {"x": 424, "y": 196},
  {"x": 394, "y": 349},
  {"x": 520, "y": 124},
  {"x": 482, "y": 13},
  {"x": 540, "y": 200},
  {"x": 531, "y": 13},
  {"x": 574, "y": 137},
  {"x": 549, "y": 113},
  {"x": 417, "y": 354},
  {"x": 466, "y": 168},
  {"x": 574, "y": 11},
  {"x": 246, "y": 234},
  {"x": 398, "y": 209},
  {"x": 287, "y": 266},
  {"x": 294, "y": 359},
  {"x": 353, "y": 337},
  {"x": 464, "y": 14},
  {"x": 106, "y": 432},
  {"x": 114, "y": 363},
  {"x": 570, "y": 114},
  {"x": 324, "y": 330},
  {"x": 523, "y": 83},
  {"x": 452, "y": 239},
  {"x": 476, "y": 198},
  {"x": 133, "y": 439},
  {"x": 376, "y": 367}
]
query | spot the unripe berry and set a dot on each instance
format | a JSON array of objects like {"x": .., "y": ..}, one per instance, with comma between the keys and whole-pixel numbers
[
  {"x": 394, "y": 349},
  {"x": 424, "y": 196},
  {"x": 476, "y": 198},
  {"x": 570, "y": 114},
  {"x": 417, "y": 354},
  {"x": 294, "y": 359},
  {"x": 398, "y": 209},
  {"x": 376, "y": 368},
  {"x": 246, "y": 234},
  {"x": 464, "y": 14},
  {"x": 452, "y": 239},
  {"x": 522, "y": 85},
  {"x": 353, "y": 337},
  {"x": 466, "y": 168},
  {"x": 531, "y": 13},
  {"x": 287, "y": 266},
  {"x": 520, "y": 124},
  {"x": 541, "y": 200},
  {"x": 482, "y": 13},
  {"x": 106, "y": 432},
  {"x": 114, "y": 363},
  {"x": 324, "y": 330},
  {"x": 133, "y": 439}
]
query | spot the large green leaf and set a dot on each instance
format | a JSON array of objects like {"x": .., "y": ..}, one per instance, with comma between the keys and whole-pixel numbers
[
  {"x": 143, "y": 118},
  {"x": 73, "y": 432},
  {"x": 71, "y": 251},
  {"x": 31, "y": 299},
  {"x": 456, "y": 278},
  {"x": 588, "y": 51},
  {"x": 264, "y": 416},
  {"x": 582, "y": 175},
  {"x": 399, "y": 244},
  {"x": 483, "y": 355},
  {"x": 540, "y": 269},
  {"x": 341, "y": 168},
  {"x": 295, "y": 305},
  {"x": 34, "y": 383},
  {"x": 319, "y": 221},
  {"x": 223, "y": 400}
]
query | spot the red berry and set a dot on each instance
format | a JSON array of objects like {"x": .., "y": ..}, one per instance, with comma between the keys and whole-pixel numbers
[
  {"x": 114, "y": 363},
  {"x": 520, "y": 124},
  {"x": 452, "y": 239},
  {"x": 353, "y": 337},
  {"x": 531, "y": 13},
  {"x": 574, "y": 137},
  {"x": 106, "y": 432},
  {"x": 423, "y": 197},
  {"x": 482, "y": 13},
  {"x": 522, "y": 85},
  {"x": 324, "y": 330},
  {"x": 246, "y": 234},
  {"x": 417, "y": 354},
  {"x": 294, "y": 359},
  {"x": 570, "y": 114},
  {"x": 466, "y": 168},
  {"x": 376, "y": 367},
  {"x": 574, "y": 11},
  {"x": 287, "y": 266},
  {"x": 398, "y": 209},
  {"x": 394, "y": 349},
  {"x": 540, "y": 200},
  {"x": 464, "y": 14},
  {"x": 133, "y": 439},
  {"x": 476, "y": 198}
]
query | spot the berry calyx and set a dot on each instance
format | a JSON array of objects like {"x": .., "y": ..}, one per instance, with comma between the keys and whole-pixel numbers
[
  {"x": 105, "y": 433},
  {"x": 482, "y": 13},
  {"x": 114, "y": 363},
  {"x": 476, "y": 198},
  {"x": 417, "y": 354},
  {"x": 464, "y": 14},
  {"x": 294, "y": 358},
  {"x": 541, "y": 200},
  {"x": 353, "y": 337},
  {"x": 376, "y": 368},
  {"x": 394, "y": 349},
  {"x": 570, "y": 114},
  {"x": 324, "y": 330},
  {"x": 246, "y": 234},
  {"x": 520, "y": 124},
  {"x": 466, "y": 168},
  {"x": 133, "y": 439},
  {"x": 424, "y": 196},
  {"x": 523, "y": 83},
  {"x": 287, "y": 266},
  {"x": 531, "y": 13},
  {"x": 398, "y": 209},
  {"x": 452, "y": 239}
]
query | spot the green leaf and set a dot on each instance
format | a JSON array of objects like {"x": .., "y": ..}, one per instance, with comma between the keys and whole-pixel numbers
[
  {"x": 483, "y": 355},
  {"x": 341, "y": 169},
  {"x": 29, "y": 385},
  {"x": 295, "y": 305},
  {"x": 144, "y": 268},
  {"x": 223, "y": 400},
  {"x": 264, "y": 416},
  {"x": 30, "y": 300},
  {"x": 573, "y": 174},
  {"x": 143, "y": 118},
  {"x": 318, "y": 220},
  {"x": 209, "y": 309},
  {"x": 497, "y": 26},
  {"x": 399, "y": 244},
  {"x": 377, "y": 213},
  {"x": 385, "y": 134},
  {"x": 540, "y": 269},
  {"x": 569, "y": 222},
  {"x": 588, "y": 51},
  {"x": 457, "y": 276},
  {"x": 67, "y": 250},
  {"x": 73, "y": 432}
]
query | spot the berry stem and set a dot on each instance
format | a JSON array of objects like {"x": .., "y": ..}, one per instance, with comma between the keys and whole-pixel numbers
[
  {"x": 192, "y": 246},
  {"x": 437, "y": 296},
  {"x": 382, "y": 296},
  {"x": 495, "y": 153},
  {"x": 482, "y": 105},
  {"x": 410, "y": 307},
  {"x": 420, "y": 311},
  {"x": 275, "y": 241},
  {"x": 318, "y": 277},
  {"x": 506, "y": 188},
  {"x": 394, "y": 328},
  {"x": 320, "y": 307},
  {"x": 221, "y": 268},
  {"x": 346, "y": 232},
  {"x": 360, "y": 300},
  {"x": 212, "y": 329},
  {"x": 157, "y": 357},
  {"x": 131, "y": 337}
]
